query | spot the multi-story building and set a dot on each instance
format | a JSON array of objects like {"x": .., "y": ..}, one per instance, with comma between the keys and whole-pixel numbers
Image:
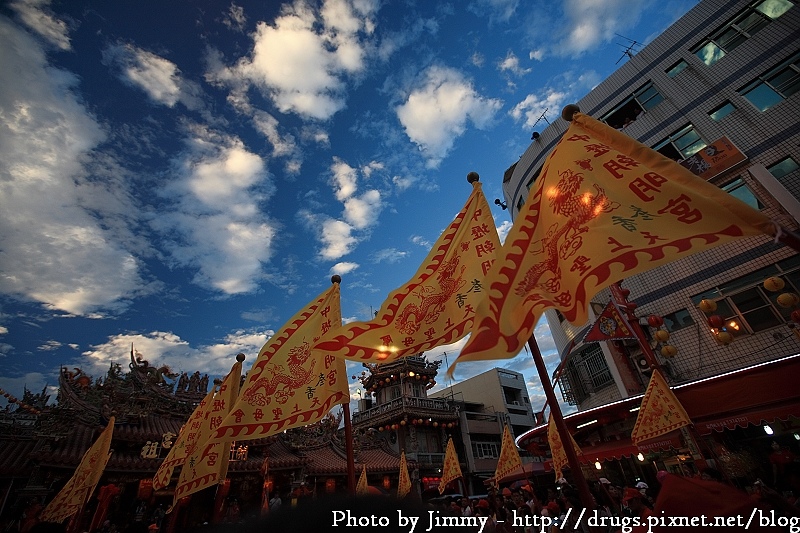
[
  {"x": 717, "y": 92},
  {"x": 487, "y": 402}
]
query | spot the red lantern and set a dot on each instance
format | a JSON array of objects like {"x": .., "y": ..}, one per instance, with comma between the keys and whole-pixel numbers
[
  {"x": 655, "y": 321},
  {"x": 795, "y": 316},
  {"x": 716, "y": 321}
]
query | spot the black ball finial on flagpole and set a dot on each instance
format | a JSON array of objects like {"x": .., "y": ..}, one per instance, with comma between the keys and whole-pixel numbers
[
  {"x": 472, "y": 177},
  {"x": 569, "y": 111},
  {"x": 336, "y": 278},
  {"x": 240, "y": 357}
]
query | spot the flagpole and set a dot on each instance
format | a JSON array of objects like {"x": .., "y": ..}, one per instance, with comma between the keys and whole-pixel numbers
[
  {"x": 348, "y": 437},
  {"x": 620, "y": 296},
  {"x": 348, "y": 429},
  {"x": 555, "y": 410}
]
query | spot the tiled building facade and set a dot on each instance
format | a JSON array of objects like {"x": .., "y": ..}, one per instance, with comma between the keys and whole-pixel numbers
[{"x": 725, "y": 70}]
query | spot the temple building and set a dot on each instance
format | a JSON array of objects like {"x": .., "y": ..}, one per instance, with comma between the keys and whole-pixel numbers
[{"x": 41, "y": 445}]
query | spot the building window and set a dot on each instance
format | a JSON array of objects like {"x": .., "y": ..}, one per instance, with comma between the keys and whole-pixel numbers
[
  {"x": 683, "y": 143},
  {"x": 736, "y": 31},
  {"x": 486, "y": 450},
  {"x": 739, "y": 189},
  {"x": 783, "y": 167},
  {"x": 520, "y": 203},
  {"x": 722, "y": 111},
  {"x": 677, "y": 68},
  {"x": 586, "y": 372},
  {"x": 644, "y": 98},
  {"x": 778, "y": 83},
  {"x": 746, "y": 306},
  {"x": 678, "y": 320}
]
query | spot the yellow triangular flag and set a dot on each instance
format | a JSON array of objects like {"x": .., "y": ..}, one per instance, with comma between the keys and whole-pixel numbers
[
  {"x": 509, "y": 456},
  {"x": 437, "y": 306},
  {"x": 185, "y": 441},
  {"x": 557, "y": 448},
  {"x": 603, "y": 208},
  {"x": 207, "y": 462},
  {"x": 404, "y": 481},
  {"x": 660, "y": 411},
  {"x": 362, "y": 489},
  {"x": 451, "y": 469},
  {"x": 288, "y": 386},
  {"x": 82, "y": 483}
]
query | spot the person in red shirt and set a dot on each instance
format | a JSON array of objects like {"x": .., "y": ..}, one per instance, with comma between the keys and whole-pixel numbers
[{"x": 633, "y": 500}]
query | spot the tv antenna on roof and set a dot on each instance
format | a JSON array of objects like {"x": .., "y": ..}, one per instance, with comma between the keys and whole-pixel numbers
[
  {"x": 542, "y": 117},
  {"x": 630, "y": 49}
]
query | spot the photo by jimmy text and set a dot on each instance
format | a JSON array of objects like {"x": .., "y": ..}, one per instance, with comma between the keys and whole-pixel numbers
[{"x": 429, "y": 521}]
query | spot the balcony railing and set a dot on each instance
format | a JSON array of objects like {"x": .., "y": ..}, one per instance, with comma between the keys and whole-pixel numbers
[{"x": 398, "y": 404}]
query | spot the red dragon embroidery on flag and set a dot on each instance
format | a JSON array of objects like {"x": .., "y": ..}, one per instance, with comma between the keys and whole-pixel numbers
[
  {"x": 279, "y": 383},
  {"x": 432, "y": 303},
  {"x": 580, "y": 208}
]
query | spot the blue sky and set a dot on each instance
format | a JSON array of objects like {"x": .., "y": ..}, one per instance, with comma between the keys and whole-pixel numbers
[{"x": 185, "y": 176}]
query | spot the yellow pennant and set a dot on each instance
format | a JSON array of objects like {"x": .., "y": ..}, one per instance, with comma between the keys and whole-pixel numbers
[
  {"x": 288, "y": 385},
  {"x": 509, "y": 456},
  {"x": 557, "y": 448},
  {"x": 404, "y": 481},
  {"x": 188, "y": 435},
  {"x": 81, "y": 485},
  {"x": 437, "y": 306},
  {"x": 603, "y": 208},
  {"x": 362, "y": 489},
  {"x": 451, "y": 470},
  {"x": 206, "y": 462},
  {"x": 660, "y": 411}
]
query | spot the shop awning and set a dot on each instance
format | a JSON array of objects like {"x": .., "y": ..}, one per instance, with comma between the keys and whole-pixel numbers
[{"x": 756, "y": 395}]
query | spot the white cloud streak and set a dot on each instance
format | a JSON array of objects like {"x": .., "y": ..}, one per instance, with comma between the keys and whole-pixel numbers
[
  {"x": 436, "y": 111},
  {"x": 57, "y": 248}
]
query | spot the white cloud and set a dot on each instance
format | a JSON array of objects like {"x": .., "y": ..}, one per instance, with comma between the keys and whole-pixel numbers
[
  {"x": 436, "y": 111},
  {"x": 343, "y": 268},
  {"x": 302, "y": 60},
  {"x": 217, "y": 226},
  {"x": 344, "y": 179},
  {"x": 36, "y": 15},
  {"x": 158, "y": 77},
  {"x": 59, "y": 240},
  {"x": 166, "y": 348},
  {"x": 234, "y": 18},
  {"x": 530, "y": 110},
  {"x": 388, "y": 255},
  {"x": 3, "y": 330},
  {"x": 496, "y": 10},
  {"x": 363, "y": 212},
  {"x": 503, "y": 229},
  {"x": 536, "y": 55},
  {"x": 337, "y": 239},
  {"x": 511, "y": 64},
  {"x": 421, "y": 241}
]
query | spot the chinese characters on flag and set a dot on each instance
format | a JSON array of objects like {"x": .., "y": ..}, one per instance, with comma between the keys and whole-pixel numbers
[
  {"x": 404, "y": 481},
  {"x": 186, "y": 440},
  {"x": 82, "y": 483},
  {"x": 206, "y": 462},
  {"x": 660, "y": 411},
  {"x": 288, "y": 386},
  {"x": 557, "y": 450},
  {"x": 509, "y": 456},
  {"x": 603, "y": 208},
  {"x": 437, "y": 306},
  {"x": 451, "y": 469}
]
